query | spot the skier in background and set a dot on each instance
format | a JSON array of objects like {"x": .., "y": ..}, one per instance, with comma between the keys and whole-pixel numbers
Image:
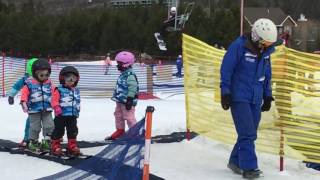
[
  {"x": 162, "y": 33},
  {"x": 179, "y": 64},
  {"x": 169, "y": 22},
  {"x": 107, "y": 63}
]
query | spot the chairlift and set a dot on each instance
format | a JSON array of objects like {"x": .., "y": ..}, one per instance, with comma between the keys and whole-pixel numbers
[
  {"x": 174, "y": 23},
  {"x": 180, "y": 20}
]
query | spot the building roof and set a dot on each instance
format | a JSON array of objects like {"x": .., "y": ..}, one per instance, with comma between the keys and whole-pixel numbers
[{"x": 251, "y": 14}]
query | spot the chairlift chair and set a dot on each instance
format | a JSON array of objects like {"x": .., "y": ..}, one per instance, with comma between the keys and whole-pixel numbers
[{"x": 181, "y": 20}]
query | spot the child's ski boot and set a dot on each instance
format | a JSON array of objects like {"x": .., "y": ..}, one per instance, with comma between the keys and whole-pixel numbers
[
  {"x": 23, "y": 144},
  {"x": 45, "y": 145},
  {"x": 115, "y": 135},
  {"x": 33, "y": 146},
  {"x": 73, "y": 148},
  {"x": 56, "y": 147}
]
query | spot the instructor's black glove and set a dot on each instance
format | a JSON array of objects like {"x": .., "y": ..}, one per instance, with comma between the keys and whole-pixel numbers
[
  {"x": 266, "y": 103},
  {"x": 129, "y": 103},
  {"x": 225, "y": 101},
  {"x": 10, "y": 100}
]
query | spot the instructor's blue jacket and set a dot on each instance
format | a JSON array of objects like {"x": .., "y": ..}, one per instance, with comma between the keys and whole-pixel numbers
[{"x": 245, "y": 74}]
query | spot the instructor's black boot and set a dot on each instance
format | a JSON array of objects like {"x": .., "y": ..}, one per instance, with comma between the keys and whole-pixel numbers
[
  {"x": 234, "y": 168},
  {"x": 251, "y": 174}
]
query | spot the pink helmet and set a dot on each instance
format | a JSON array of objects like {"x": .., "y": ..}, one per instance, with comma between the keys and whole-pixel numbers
[{"x": 126, "y": 57}]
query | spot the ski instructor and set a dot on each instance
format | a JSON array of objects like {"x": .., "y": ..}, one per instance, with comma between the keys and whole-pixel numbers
[{"x": 246, "y": 90}]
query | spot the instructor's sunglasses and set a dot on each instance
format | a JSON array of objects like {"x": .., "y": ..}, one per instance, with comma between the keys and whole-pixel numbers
[{"x": 265, "y": 43}]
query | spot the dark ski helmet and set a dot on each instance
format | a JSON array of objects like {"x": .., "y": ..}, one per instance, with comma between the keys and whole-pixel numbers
[
  {"x": 66, "y": 70},
  {"x": 40, "y": 64}
]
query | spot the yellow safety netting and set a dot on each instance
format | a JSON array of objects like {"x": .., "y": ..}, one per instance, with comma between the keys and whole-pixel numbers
[{"x": 290, "y": 128}]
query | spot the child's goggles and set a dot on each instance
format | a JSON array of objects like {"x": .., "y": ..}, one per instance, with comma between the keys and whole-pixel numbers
[
  {"x": 70, "y": 78},
  {"x": 43, "y": 74}
]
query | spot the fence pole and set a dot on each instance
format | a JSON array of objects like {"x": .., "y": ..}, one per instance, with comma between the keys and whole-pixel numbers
[
  {"x": 149, "y": 111},
  {"x": 25, "y": 64},
  {"x": 3, "y": 65},
  {"x": 241, "y": 17},
  {"x": 281, "y": 149},
  {"x": 150, "y": 79},
  {"x": 188, "y": 134},
  {"x": 282, "y": 125}
]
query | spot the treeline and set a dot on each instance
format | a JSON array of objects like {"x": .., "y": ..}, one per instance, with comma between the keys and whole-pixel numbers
[
  {"x": 102, "y": 30},
  {"x": 294, "y": 8}
]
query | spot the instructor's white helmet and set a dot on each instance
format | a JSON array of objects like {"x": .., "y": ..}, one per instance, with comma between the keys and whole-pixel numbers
[{"x": 264, "y": 29}]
